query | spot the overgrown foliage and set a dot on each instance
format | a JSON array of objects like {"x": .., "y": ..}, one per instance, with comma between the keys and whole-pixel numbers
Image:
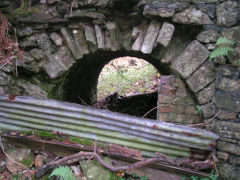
[
  {"x": 224, "y": 46},
  {"x": 63, "y": 172},
  {"x": 9, "y": 50}
]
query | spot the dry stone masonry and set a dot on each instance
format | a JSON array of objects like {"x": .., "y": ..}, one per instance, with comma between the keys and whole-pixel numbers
[{"x": 67, "y": 45}]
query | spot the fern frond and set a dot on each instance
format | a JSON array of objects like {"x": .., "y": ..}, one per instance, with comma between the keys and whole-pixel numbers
[
  {"x": 224, "y": 40},
  {"x": 220, "y": 51},
  {"x": 63, "y": 172}
]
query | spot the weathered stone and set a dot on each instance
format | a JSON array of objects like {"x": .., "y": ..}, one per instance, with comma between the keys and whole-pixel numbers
[
  {"x": 28, "y": 42},
  {"x": 86, "y": 14},
  {"x": 56, "y": 39},
  {"x": 26, "y": 31},
  {"x": 5, "y": 79},
  {"x": 100, "y": 37},
  {"x": 52, "y": 1},
  {"x": 204, "y": 1},
  {"x": 72, "y": 43},
  {"x": 150, "y": 37},
  {"x": 93, "y": 170},
  {"x": 202, "y": 77},
  {"x": 37, "y": 54},
  {"x": 29, "y": 64},
  {"x": 228, "y": 147},
  {"x": 229, "y": 85},
  {"x": 207, "y": 94},
  {"x": 80, "y": 37},
  {"x": 208, "y": 36},
  {"x": 227, "y": 13},
  {"x": 220, "y": 60},
  {"x": 211, "y": 46},
  {"x": 172, "y": 99},
  {"x": 208, "y": 110},
  {"x": 228, "y": 172},
  {"x": 209, "y": 9},
  {"x": 192, "y": 16},
  {"x": 161, "y": 11},
  {"x": 192, "y": 57},
  {"x": 21, "y": 155},
  {"x": 226, "y": 115},
  {"x": 228, "y": 126},
  {"x": 222, "y": 155},
  {"x": 178, "y": 118},
  {"x": 137, "y": 45},
  {"x": 53, "y": 68},
  {"x": 234, "y": 160},
  {"x": 135, "y": 32},
  {"x": 228, "y": 140},
  {"x": 226, "y": 70},
  {"x": 172, "y": 51},
  {"x": 32, "y": 90},
  {"x": 113, "y": 35},
  {"x": 165, "y": 34},
  {"x": 227, "y": 101},
  {"x": 44, "y": 42},
  {"x": 97, "y": 3}
]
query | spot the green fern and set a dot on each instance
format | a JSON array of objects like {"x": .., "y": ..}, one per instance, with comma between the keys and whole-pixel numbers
[
  {"x": 224, "y": 46},
  {"x": 224, "y": 40},
  {"x": 221, "y": 51},
  {"x": 63, "y": 172}
]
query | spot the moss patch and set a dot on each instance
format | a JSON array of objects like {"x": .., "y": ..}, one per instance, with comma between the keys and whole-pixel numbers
[{"x": 24, "y": 10}]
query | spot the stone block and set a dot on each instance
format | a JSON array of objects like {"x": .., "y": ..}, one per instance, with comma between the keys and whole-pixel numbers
[
  {"x": 72, "y": 43},
  {"x": 208, "y": 110},
  {"x": 100, "y": 37},
  {"x": 29, "y": 41},
  {"x": 227, "y": 101},
  {"x": 229, "y": 85},
  {"x": 77, "y": 14},
  {"x": 2, "y": 91},
  {"x": 222, "y": 155},
  {"x": 190, "y": 110},
  {"x": 226, "y": 115},
  {"x": 137, "y": 45},
  {"x": 206, "y": 94},
  {"x": 192, "y": 16},
  {"x": 165, "y": 34},
  {"x": 79, "y": 36},
  {"x": 43, "y": 41},
  {"x": 228, "y": 147},
  {"x": 62, "y": 56},
  {"x": 150, "y": 38},
  {"x": 56, "y": 39},
  {"x": 227, "y": 13},
  {"x": 5, "y": 79},
  {"x": 25, "y": 31},
  {"x": 208, "y": 36},
  {"x": 37, "y": 53},
  {"x": 159, "y": 12},
  {"x": 228, "y": 172},
  {"x": 234, "y": 160},
  {"x": 53, "y": 68},
  {"x": 114, "y": 31},
  {"x": 190, "y": 59},
  {"x": 202, "y": 77},
  {"x": 234, "y": 141}
]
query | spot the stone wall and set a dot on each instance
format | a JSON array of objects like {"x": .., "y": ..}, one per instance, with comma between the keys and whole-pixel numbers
[{"x": 66, "y": 48}]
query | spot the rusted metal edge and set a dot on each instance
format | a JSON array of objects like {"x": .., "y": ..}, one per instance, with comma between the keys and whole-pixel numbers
[{"x": 44, "y": 145}]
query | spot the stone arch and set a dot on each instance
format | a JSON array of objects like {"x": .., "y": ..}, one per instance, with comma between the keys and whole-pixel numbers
[{"x": 60, "y": 43}]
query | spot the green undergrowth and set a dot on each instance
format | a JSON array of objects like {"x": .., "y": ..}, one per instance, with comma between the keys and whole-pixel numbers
[
  {"x": 24, "y": 10},
  {"x": 126, "y": 80}
]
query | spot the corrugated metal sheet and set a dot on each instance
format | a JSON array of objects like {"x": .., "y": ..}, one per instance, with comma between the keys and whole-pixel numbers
[{"x": 26, "y": 113}]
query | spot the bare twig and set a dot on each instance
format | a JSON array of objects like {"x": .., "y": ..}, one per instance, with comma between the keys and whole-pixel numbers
[
  {"x": 204, "y": 123},
  {"x": 9, "y": 157}
]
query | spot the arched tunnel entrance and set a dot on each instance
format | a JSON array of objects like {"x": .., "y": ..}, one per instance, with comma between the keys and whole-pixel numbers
[{"x": 82, "y": 81}]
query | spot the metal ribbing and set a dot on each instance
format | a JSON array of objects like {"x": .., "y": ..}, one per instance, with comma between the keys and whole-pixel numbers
[{"x": 148, "y": 135}]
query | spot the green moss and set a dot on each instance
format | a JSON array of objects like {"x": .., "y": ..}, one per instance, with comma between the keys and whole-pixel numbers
[
  {"x": 24, "y": 10},
  {"x": 28, "y": 162},
  {"x": 28, "y": 133},
  {"x": 48, "y": 135},
  {"x": 81, "y": 141}
]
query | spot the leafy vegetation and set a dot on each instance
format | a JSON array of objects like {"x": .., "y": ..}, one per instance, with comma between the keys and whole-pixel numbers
[
  {"x": 212, "y": 177},
  {"x": 63, "y": 172},
  {"x": 127, "y": 80},
  {"x": 224, "y": 46}
]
